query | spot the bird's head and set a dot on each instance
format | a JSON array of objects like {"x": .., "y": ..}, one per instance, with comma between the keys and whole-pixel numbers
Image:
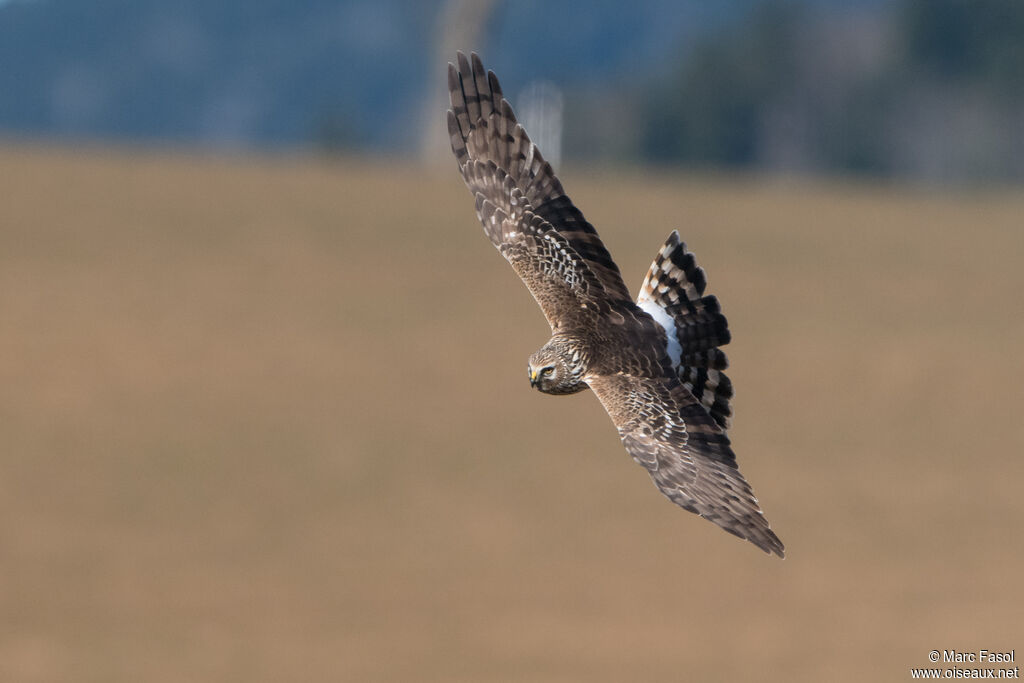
[{"x": 554, "y": 369}]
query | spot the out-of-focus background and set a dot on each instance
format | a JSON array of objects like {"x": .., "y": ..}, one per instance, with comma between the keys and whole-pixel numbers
[{"x": 264, "y": 413}]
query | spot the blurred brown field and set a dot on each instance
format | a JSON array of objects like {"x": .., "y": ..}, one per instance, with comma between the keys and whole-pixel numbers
[{"x": 268, "y": 419}]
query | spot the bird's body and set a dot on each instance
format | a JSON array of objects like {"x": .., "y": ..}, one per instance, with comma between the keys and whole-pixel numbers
[{"x": 654, "y": 363}]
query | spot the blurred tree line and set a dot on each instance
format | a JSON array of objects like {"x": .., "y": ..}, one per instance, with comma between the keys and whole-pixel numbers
[
  {"x": 926, "y": 89},
  {"x": 921, "y": 89}
]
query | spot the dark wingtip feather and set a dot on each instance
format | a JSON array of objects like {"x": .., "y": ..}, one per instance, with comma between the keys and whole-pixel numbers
[
  {"x": 453, "y": 79},
  {"x": 463, "y": 67},
  {"x": 772, "y": 544},
  {"x": 492, "y": 81}
]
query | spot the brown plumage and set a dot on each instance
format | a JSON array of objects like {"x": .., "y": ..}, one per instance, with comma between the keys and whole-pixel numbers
[{"x": 655, "y": 364}]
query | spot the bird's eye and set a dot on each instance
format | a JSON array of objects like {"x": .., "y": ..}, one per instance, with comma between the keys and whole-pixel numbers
[{"x": 547, "y": 371}]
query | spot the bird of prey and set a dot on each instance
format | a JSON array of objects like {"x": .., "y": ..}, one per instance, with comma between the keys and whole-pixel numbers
[{"x": 655, "y": 364}]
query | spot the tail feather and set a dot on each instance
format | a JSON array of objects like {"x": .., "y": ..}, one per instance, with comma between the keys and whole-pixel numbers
[
  {"x": 700, "y": 324},
  {"x": 673, "y": 293}
]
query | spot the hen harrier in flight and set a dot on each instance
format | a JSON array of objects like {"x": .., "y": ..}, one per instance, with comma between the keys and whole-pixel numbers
[{"x": 655, "y": 364}]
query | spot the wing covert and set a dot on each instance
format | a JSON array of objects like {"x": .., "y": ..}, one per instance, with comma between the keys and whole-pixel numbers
[{"x": 567, "y": 291}]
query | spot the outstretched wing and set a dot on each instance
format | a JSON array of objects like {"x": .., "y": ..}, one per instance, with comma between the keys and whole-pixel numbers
[
  {"x": 688, "y": 456},
  {"x": 494, "y": 154}
]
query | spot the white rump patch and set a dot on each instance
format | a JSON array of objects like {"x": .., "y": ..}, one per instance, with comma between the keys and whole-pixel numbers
[{"x": 675, "y": 352}]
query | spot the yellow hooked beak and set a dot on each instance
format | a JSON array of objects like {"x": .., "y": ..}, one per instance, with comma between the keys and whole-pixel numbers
[{"x": 534, "y": 378}]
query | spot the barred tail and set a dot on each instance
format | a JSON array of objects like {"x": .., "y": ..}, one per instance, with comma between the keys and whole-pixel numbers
[{"x": 673, "y": 294}]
